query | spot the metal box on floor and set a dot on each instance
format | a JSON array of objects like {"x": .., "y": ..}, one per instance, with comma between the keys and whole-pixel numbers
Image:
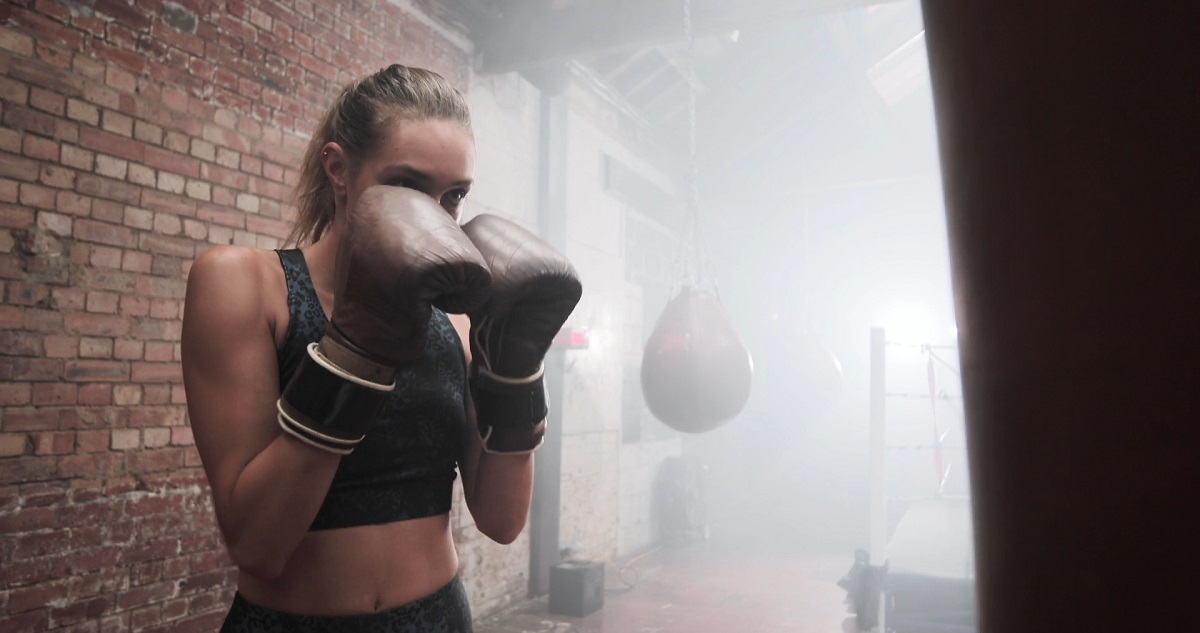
[{"x": 576, "y": 588}]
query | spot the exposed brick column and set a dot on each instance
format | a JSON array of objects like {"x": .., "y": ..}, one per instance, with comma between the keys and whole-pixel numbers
[{"x": 134, "y": 135}]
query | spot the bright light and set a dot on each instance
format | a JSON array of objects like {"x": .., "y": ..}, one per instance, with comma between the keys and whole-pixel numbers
[{"x": 908, "y": 323}]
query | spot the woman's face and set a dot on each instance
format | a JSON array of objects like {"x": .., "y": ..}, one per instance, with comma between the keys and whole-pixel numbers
[{"x": 433, "y": 156}]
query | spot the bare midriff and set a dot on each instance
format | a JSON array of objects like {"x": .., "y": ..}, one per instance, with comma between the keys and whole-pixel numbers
[{"x": 359, "y": 570}]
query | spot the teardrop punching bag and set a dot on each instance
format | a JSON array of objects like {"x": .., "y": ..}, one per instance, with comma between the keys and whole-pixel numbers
[{"x": 696, "y": 372}]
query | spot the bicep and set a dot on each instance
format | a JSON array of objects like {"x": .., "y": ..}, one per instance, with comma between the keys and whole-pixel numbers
[{"x": 229, "y": 369}]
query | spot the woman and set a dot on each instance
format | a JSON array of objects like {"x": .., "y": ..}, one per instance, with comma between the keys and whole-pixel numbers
[{"x": 328, "y": 390}]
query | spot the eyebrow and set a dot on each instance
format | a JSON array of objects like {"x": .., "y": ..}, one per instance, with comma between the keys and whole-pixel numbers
[{"x": 416, "y": 174}]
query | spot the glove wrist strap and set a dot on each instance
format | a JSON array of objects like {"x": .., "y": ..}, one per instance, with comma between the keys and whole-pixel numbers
[
  {"x": 511, "y": 412},
  {"x": 354, "y": 362},
  {"x": 327, "y": 407}
]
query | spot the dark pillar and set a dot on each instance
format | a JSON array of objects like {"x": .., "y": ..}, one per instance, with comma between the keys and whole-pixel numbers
[
  {"x": 552, "y": 210},
  {"x": 1068, "y": 136}
]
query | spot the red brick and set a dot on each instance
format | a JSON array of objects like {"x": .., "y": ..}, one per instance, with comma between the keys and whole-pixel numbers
[
  {"x": 47, "y": 101},
  {"x": 30, "y": 420},
  {"x": 132, "y": 305},
  {"x": 95, "y": 394},
  {"x": 159, "y": 351},
  {"x": 54, "y": 394},
  {"x": 157, "y": 393},
  {"x": 174, "y": 609},
  {"x": 73, "y": 204},
  {"x": 172, "y": 162},
  {"x": 108, "y": 189},
  {"x": 92, "y": 441},
  {"x": 15, "y": 394},
  {"x": 182, "y": 436},
  {"x": 20, "y": 343},
  {"x": 161, "y": 287},
  {"x": 95, "y": 559},
  {"x": 15, "y": 217},
  {"x": 126, "y": 59},
  {"x": 23, "y": 599},
  {"x": 22, "y": 294},
  {"x": 61, "y": 346},
  {"x": 96, "y": 325},
  {"x": 53, "y": 443},
  {"x": 90, "y": 465},
  {"x": 136, "y": 262},
  {"x": 95, "y": 370},
  {"x": 41, "y": 123},
  {"x": 104, "y": 257},
  {"x": 81, "y": 611},
  {"x": 57, "y": 177},
  {"x": 49, "y": 30},
  {"x": 165, "y": 203},
  {"x": 121, "y": 36},
  {"x": 145, "y": 617},
  {"x": 13, "y": 445},
  {"x": 145, "y": 417},
  {"x": 112, "y": 144},
  {"x": 92, "y": 347},
  {"x": 29, "y": 621},
  {"x": 126, "y": 349},
  {"x": 102, "y": 302},
  {"x": 37, "y": 320},
  {"x": 155, "y": 372},
  {"x": 109, "y": 211},
  {"x": 19, "y": 168},
  {"x": 165, "y": 244},
  {"x": 35, "y": 369},
  {"x": 37, "y": 196},
  {"x": 39, "y": 148},
  {"x": 156, "y": 329}
]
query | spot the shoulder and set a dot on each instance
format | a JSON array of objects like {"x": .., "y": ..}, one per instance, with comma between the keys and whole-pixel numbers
[
  {"x": 233, "y": 284},
  {"x": 239, "y": 260}
]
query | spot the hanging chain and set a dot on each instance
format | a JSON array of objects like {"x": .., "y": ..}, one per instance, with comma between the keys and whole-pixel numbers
[{"x": 694, "y": 266}]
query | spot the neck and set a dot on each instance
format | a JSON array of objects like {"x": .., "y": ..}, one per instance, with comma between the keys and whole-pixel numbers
[{"x": 320, "y": 257}]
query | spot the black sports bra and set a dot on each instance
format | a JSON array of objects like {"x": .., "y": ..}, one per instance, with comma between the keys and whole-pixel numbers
[{"x": 405, "y": 468}]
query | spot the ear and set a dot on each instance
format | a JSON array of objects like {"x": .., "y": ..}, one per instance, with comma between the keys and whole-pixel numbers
[{"x": 337, "y": 168}]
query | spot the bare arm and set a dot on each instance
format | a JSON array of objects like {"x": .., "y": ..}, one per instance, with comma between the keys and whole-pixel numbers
[
  {"x": 498, "y": 488},
  {"x": 266, "y": 486}
]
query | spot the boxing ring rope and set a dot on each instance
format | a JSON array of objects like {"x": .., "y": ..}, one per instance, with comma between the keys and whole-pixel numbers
[{"x": 940, "y": 430}]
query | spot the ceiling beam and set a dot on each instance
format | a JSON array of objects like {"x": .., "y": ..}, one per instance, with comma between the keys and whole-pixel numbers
[{"x": 535, "y": 34}]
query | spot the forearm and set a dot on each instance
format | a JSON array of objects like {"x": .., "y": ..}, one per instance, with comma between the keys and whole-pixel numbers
[
  {"x": 274, "y": 501},
  {"x": 503, "y": 490}
]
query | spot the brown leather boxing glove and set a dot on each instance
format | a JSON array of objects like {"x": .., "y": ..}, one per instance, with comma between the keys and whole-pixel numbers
[
  {"x": 534, "y": 289},
  {"x": 400, "y": 254}
]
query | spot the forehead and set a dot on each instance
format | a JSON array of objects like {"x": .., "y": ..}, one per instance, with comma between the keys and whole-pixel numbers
[{"x": 434, "y": 146}]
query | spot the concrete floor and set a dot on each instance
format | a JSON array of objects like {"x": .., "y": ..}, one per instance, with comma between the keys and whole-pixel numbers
[{"x": 704, "y": 587}]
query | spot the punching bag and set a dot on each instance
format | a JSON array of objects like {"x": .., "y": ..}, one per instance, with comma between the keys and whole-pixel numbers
[
  {"x": 1066, "y": 132},
  {"x": 696, "y": 372}
]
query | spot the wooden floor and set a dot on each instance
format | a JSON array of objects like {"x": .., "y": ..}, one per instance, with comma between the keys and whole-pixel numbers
[{"x": 705, "y": 587}]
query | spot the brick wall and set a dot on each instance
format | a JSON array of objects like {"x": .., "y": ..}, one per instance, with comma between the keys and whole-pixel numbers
[{"x": 134, "y": 135}]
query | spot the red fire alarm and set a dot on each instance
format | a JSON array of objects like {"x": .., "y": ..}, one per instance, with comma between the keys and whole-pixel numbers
[{"x": 568, "y": 338}]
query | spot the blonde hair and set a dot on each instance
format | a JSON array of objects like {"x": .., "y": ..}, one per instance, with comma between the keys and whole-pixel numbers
[{"x": 357, "y": 120}]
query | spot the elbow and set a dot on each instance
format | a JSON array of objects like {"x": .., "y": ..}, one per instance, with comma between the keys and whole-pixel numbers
[
  {"x": 257, "y": 561},
  {"x": 503, "y": 532}
]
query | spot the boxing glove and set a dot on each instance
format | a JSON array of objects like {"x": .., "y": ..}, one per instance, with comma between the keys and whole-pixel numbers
[
  {"x": 534, "y": 290},
  {"x": 400, "y": 254}
]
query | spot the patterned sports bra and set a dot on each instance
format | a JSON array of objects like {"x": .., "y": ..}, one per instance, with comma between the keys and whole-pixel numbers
[{"x": 405, "y": 468}]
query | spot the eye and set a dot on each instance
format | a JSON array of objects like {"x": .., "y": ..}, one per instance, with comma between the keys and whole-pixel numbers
[
  {"x": 402, "y": 182},
  {"x": 455, "y": 196}
]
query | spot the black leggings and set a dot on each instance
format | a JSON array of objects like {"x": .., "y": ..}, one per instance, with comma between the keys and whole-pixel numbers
[{"x": 444, "y": 611}]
